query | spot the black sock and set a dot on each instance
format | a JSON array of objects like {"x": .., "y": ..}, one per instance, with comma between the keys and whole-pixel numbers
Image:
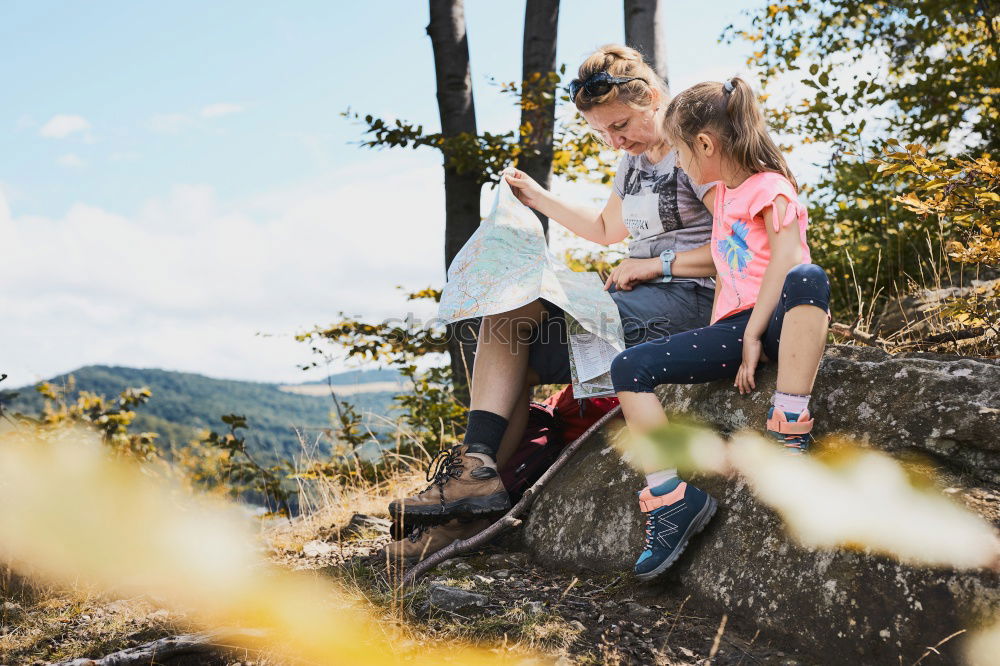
[{"x": 484, "y": 432}]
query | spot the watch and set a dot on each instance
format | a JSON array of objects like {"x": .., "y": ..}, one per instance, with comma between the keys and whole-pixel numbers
[{"x": 666, "y": 258}]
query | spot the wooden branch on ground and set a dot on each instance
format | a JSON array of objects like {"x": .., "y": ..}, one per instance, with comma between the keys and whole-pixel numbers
[
  {"x": 953, "y": 336},
  {"x": 511, "y": 519},
  {"x": 185, "y": 648},
  {"x": 845, "y": 331}
]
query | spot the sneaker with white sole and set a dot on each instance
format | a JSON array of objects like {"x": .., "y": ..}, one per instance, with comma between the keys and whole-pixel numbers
[{"x": 675, "y": 511}]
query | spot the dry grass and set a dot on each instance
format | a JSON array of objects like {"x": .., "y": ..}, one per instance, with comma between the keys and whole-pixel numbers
[{"x": 42, "y": 623}]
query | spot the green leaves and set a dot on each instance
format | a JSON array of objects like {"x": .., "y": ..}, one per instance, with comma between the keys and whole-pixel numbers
[
  {"x": 577, "y": 152},
  {"x": 892, "y": 87}
]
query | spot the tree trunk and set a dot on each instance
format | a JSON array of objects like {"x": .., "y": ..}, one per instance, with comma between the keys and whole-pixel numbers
[
  {"x": 461, "y": 191},
  {"x": 541, "y": 20},
  {"x": 644, "y": 32}
]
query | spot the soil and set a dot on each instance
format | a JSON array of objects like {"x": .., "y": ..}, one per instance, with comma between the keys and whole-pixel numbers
[{"x": 571, "y": 618}]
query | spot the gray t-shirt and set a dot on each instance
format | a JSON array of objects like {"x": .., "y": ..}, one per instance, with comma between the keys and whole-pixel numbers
[{"x": 662, "y": 209}]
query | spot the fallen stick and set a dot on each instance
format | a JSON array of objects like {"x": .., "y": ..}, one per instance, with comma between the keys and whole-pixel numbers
[
  {"x": 166, "y": 650},
  {"x": 510, "y": 519},
  {"x": 845, "y": 331}
]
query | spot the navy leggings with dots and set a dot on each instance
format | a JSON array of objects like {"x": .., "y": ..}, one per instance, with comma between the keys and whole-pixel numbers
[{"x": 716, "y": 351}]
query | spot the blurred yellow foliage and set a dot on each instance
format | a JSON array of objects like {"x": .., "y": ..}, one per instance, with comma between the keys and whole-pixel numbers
[{"x": 70, "y": 512}]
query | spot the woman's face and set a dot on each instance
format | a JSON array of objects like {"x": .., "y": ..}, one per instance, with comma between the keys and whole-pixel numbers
[{"x": 626, "y": 128}]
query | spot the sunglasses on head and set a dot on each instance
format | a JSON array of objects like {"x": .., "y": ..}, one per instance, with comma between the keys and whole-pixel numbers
[{"x": 599, "y": 83}]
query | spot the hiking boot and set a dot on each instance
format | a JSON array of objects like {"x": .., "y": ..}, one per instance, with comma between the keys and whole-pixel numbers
[
  {"x": 791, "y": 430},
  {"x": 464, "y": 483},
  {"x": 675, "y": 512},
  {"x": 426, "y": 540}
]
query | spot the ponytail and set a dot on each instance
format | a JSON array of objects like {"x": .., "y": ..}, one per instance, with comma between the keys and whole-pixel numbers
[{"x": 731, "y": 112}]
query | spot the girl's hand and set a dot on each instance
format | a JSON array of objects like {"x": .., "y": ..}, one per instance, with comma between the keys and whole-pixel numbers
[
  {"x": 631, "y": 272},
  {"x": 525, "y": 188},
  {"x": 751, "y": 357}
]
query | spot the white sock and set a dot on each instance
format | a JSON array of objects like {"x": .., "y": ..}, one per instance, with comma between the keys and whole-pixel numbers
[
  {"x": 790, "y": 402},
  {"x": 656, "y": 478}
]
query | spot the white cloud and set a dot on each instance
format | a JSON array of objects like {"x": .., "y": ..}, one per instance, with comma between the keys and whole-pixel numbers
[
  {"x": 220, "y": 109},
  {"x": 188, "y": 281},
  {"x": 170, "y": 123},
  {"x": 60, "y": 126},
  {"x": 70, "y": 161}
]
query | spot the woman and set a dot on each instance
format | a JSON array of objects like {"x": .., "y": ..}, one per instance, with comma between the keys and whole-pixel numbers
[{"x": 663, "y": 287}]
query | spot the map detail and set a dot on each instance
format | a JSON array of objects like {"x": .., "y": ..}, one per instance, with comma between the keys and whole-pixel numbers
[{"x": 506, "y": 265}]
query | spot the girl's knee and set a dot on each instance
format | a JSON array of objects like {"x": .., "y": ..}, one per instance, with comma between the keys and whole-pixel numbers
[
  {"x": 628, "y": 374},
  {"x": 805, "y": 283},
  {"x": 807, "y": 273}
]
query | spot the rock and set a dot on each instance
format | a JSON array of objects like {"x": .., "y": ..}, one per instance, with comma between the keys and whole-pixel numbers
[
  {"x": 498, "y": 560},
  {"x": 456, "y": 566},
  {"x": 317, "y": 548},
  {"x": 454, "y": 600},
  {"x": 843, "y": 606},
  {"x": 946, "y": 407},
  {"x": 518, "y": 559},
  {"x": 361, "y": 523},
  {"x": 500, "y": 573},
  {"x": 638, "y": 611},
  {"x": 534, "y": 608}
]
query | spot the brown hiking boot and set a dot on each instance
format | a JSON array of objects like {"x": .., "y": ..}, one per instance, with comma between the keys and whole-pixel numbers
[
  {"x": 464, "y": 483},
  {"x": 426, "y": 540}
]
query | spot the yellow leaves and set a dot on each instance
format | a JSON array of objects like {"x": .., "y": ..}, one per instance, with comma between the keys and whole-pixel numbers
[
  {"x": 913, "y": 203},
  {"x": 189, "y": 552}
]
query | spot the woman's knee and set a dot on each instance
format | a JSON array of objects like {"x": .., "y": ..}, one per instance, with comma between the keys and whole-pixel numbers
[{"x": 515, "y": 325}]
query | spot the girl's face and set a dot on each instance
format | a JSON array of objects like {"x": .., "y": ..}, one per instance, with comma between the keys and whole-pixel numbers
[
  {"x": 702, "y": 162},
  {"x": 626, "y": 128}
]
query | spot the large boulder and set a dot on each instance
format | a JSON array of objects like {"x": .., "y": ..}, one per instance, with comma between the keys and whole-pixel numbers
[
  {"x": 841, "y": 607},
  {"x": 944, "y": 407}
]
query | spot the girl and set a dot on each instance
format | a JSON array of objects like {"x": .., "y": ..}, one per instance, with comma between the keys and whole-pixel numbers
[
  {"x": 663, "y": 287},
  {"x": 765, "y": 286}
]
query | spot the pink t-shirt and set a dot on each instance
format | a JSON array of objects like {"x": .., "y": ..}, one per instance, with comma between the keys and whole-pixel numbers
[{"x": 740, "y": 247}]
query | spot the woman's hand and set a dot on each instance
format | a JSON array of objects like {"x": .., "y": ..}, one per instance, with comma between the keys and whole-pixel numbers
[
  {"x": 751, "y": 357},
  {"x": 631, "y": 272},
  {"x": 525, "y": 188}
]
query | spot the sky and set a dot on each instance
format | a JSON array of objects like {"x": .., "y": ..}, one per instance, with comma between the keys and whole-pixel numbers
[{"x": 179, "y": 188}]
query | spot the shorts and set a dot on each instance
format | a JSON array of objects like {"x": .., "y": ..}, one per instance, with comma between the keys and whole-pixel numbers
[{"x": 648, "y": 311}]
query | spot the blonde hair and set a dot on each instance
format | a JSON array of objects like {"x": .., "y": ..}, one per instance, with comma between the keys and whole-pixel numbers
[
  {"x": 618, "y": 60},
  {"x": 729, "y": 111}
]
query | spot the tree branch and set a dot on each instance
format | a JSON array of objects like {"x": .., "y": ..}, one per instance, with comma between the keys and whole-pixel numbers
[
  {"x": 172, "y": 649},
  {"x": 852, "y": 332}
]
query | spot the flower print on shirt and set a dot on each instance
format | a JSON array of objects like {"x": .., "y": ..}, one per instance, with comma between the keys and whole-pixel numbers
[{"x": 735, "y": 251}]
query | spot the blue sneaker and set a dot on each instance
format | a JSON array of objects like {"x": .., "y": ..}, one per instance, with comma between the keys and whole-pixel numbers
[
  {"x": 791, "y": 430},
  {"x": 675, "y": 512}
]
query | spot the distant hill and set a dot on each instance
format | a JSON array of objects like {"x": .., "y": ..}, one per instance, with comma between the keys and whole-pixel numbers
[
  {"x": 184, "y": 403},
  {"x": 361, "y": 377}
]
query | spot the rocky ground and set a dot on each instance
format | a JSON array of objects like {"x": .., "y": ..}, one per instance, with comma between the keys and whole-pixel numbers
[{"x": 500, "y": 596}]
